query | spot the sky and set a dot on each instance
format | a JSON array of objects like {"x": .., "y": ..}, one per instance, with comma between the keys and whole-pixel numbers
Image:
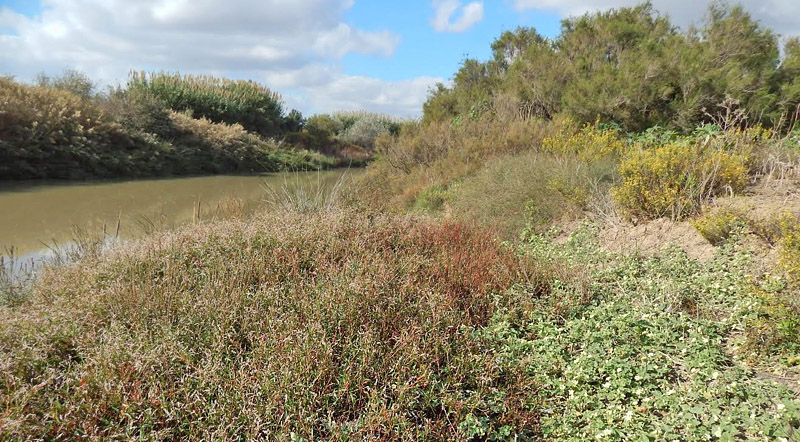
[{"x": 321, "y": 55}]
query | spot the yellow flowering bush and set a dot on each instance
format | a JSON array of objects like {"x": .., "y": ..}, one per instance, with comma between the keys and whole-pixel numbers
[
  {"x": 588, "y": 144},
  {"x": 674, "y": 179},
  {"x": 717, "y": 226}
]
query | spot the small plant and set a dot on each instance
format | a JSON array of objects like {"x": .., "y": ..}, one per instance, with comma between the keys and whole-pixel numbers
[
  {"x": 717, "y": 226},
  {"x": 14, "y": 277},
  {"x": 433, "y": 198},
  {"x": 298, "y": 196},
  {"x": 789, "y": 246}
]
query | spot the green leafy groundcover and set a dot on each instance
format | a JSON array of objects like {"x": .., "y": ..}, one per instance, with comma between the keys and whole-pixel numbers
[{"x": 632, "y": 363}]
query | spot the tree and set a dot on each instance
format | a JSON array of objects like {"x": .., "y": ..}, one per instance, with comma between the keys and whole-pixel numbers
[
  {"x": 787, "y": 83},
  {"x": 539, "y": 77},
  {"x": 620, "y": 70},
  {"x": 70, "y": 80},
  {"x": 511, "y": 45},
  {"x": 730, "y": 56},
  {"x": 294, "y": 122}
]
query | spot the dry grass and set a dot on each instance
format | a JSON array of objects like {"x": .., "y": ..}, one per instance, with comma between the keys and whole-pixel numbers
[
  {"x": 333, "y": 326},
  {"x": 439, "y": 154},
  {"x": 531, "y": 190},
  {"x": 300, "y": 196}
]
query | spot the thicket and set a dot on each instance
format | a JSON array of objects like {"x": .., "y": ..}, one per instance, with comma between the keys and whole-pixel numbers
[
  {"x": 250, "y": 104},
  {"x": 661, "y": 120},
  {"x": 633, "y": 67},
  {"x": 334, "y": 326},
  {"x": 158, "y": 124},
  {"x": 350, "y": 135}
]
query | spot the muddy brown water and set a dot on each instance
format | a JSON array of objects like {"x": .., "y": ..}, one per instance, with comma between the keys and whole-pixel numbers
[{"x": 38, "y": 215}]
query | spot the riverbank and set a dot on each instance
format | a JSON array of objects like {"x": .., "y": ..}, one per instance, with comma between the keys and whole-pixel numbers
[
  {"x": 344, "y": 324},
  {"x": 162, "y": 125}
]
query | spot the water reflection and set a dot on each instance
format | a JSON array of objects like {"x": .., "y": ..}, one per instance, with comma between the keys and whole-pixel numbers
[{"x": 35, "y": 216}]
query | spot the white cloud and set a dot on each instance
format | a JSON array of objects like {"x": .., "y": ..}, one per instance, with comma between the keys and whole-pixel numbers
[
  {"x": 293, "y": 44},
  {"x": 446, "y": 10},
  {"x": 781, "y": 15},
  {"x": 327, "y": 88},
  {"x": 344, "y": 39},
  {"x": 346, "y": 92}
]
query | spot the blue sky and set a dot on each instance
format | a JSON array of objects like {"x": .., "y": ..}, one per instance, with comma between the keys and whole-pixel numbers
[
  {"x": 322, "y": 55},
  {"x": 424, "y": 51}
]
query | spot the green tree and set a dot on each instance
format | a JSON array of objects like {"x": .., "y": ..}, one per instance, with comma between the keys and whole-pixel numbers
[
  {"x": 620, "y": 70},
  {"x": 538, "y": 77},
  {"x": 787, "y": 83},
  {"x": 730, "y": 56},
  {"x": 511, "y": 45}
]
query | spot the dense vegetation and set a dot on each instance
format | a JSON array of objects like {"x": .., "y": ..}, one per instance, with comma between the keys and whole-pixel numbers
[
  {"x": 633, "y": 67},
  {"x": 467, "y": 286},
  {"x": 166, "y": 124}
]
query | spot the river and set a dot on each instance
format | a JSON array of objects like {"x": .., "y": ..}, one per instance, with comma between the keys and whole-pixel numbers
[{"x": 35, "y": 216}]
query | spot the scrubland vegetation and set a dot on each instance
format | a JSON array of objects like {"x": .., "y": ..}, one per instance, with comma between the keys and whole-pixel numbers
[
  {"x": 167, "y": 124},
  {"x": 463, "y": 287}
]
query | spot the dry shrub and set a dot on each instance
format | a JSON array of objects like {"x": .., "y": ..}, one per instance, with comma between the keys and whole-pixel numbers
[
  {"x": 220, "y": 147},
  {"x": 52, "y": 133},
  {"x": 230, "y": 137},
  {"x": 424, "y": 155},
  {"x": 335, "y": 326},
  {"x": 530, "y": 189}
]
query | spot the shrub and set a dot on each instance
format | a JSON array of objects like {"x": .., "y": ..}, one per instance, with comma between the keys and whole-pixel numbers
[
  {"x": 433, "y": 198},
  {"x": 323, "y": 127},
  {"x": 255, "y": 107},
  {"x": 590, "y": 143},
  {"x": 70, "y": 80},
  {"x": 52, "y": 133},
  {"x": 530, "y": 189},
  {"x": 717, "y": 226},
  {"x": 362, "y": 128},
  {"x": 137, "y": 110},
  {"x": 774, "y": 329},
  {"x": 674, "y": 179},
  {"x": 425, "y": 155}
]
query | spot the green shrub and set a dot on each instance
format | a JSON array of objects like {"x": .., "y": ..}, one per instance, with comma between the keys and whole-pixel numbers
[
  {"x": 529, "y": 189},
  {"x": 362, "y": 128},
  {"x": 70, "y": 80},
  {"x": 433, "y": 198},
  {"x": 137, "y": 110},
  {"x": 255, "y": 107}
]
